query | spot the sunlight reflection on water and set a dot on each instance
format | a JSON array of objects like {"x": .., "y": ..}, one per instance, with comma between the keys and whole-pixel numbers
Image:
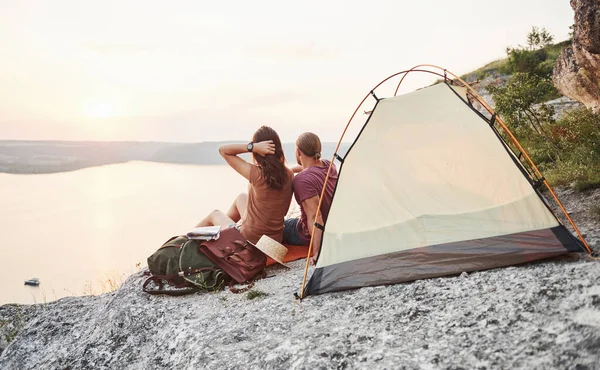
[{"x": 77, "y": 230}]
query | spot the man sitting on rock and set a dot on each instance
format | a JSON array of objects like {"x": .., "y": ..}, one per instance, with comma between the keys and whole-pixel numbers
[{"x": 308, "y": 185}]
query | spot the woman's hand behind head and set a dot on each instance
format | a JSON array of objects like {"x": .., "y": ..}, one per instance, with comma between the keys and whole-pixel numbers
[{"x": 264, "y": 148}]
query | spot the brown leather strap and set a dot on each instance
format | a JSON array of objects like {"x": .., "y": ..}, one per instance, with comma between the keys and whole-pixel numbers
[
  {"x": 235, "y": 290},
  {"x": 250, "y": 283}
]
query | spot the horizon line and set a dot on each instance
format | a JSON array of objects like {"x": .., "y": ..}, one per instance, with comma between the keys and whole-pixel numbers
[{"x": 142, "y": 142}]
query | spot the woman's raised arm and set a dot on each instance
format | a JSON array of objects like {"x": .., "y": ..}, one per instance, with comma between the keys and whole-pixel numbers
[{"x": 230, "y": 153}]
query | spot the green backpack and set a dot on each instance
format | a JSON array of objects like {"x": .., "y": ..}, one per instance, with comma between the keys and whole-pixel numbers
[{"x": 180, "y": 264}]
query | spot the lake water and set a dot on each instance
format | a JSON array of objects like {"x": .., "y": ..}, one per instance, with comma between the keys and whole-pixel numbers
[{"x": 78, "y": 231}]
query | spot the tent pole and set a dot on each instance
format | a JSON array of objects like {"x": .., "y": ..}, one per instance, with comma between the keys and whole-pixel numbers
[
  {"x": 310, "y": 245},
  {"x": 414, "y": 69},
  {"x": 314, "y": 227}
]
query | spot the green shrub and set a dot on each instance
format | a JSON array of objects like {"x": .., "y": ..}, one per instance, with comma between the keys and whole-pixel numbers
[
  {"x": 525, "y": 61},
  {"x": 575, "y": 150},
  {"x": 545, "y": 68},
  {"x": 578, "y": 134},
  {"x": 542, "y": 151},
  {"x": 555, "y": 50},
  {"x": 253, "y": 294},
  {"x": 577, "y": 176},
  {"x": 516, "y": 99},
  {"x": 538, "y": 58},
  {"x": 567, "y": 151}
]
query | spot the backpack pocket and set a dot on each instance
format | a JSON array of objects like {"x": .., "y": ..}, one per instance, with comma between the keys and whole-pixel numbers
[{"x": 200, "y": 271}]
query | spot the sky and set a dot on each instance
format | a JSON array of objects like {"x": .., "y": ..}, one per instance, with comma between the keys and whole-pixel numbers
[{"x": 191, "y": 71}]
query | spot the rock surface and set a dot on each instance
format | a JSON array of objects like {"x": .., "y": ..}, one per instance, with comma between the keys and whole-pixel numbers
[
  {"x": 577, "y": 69},
  {"x": 537, "y": 316},
  {"x": 560, "y": 105},
  {"x": 494, "y": 79}
]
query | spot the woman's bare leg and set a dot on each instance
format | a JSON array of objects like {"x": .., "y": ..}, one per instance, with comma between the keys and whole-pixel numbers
[
  {"x": 215, "y": 218},
  {"x": 238, "y": 208}
]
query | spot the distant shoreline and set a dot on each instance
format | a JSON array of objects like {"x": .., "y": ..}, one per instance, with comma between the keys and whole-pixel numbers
[
  {"x": 47, "y": 169},
  {"x": 31, "y": 169},
  {"x": 46, "y": 157}
]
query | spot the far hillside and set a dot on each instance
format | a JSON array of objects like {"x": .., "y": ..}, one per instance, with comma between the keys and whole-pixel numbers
[
  {"x": 543, "y": 61},
  {"x": 31, "y": 157}
]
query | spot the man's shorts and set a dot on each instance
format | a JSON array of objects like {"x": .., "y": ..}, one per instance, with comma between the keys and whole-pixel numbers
[{"x": 290, "y": 232}]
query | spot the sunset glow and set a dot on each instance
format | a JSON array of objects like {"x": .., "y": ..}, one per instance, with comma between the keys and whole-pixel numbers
[
  {"x": 211, "y": 71},
  {"x": 98, "y": 110}
]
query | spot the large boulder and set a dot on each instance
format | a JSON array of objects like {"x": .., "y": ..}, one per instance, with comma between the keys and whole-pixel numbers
[{"x": 577, "y": 69}]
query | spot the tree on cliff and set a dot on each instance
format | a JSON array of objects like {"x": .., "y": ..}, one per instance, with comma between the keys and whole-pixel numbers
[
  {"x": 516, "y": 99},
  {"x": 537, "y": 39}
]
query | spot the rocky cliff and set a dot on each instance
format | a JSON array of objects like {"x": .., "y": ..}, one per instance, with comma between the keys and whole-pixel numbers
[
  {"x": 537, "y": 316},
  {"x": 577, "y": 70}
]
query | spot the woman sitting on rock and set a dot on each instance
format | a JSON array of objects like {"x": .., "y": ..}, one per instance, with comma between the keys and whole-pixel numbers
[{"x": 262, "y": 210}]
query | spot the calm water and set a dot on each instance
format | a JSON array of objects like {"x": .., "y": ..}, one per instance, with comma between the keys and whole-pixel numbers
[{"x": 75, "y": 231}]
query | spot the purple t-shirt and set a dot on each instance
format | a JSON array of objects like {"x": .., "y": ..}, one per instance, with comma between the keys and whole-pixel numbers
[{"x": 309, "y": 183}]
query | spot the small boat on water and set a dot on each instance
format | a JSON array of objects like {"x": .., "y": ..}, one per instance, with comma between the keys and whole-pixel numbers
[{"x": 33, "y": 282}]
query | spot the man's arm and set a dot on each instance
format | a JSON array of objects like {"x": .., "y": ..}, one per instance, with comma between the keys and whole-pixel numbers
[{"x": 310, "y": 206}]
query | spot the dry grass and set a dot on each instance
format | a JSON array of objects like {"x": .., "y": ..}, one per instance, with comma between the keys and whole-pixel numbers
[
  {"x": 487, "y": 69},
  {"x": 110, "y": 283}
]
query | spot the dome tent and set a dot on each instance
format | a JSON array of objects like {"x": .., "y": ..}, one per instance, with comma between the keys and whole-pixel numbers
[{"x": 430, "y": 188}]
